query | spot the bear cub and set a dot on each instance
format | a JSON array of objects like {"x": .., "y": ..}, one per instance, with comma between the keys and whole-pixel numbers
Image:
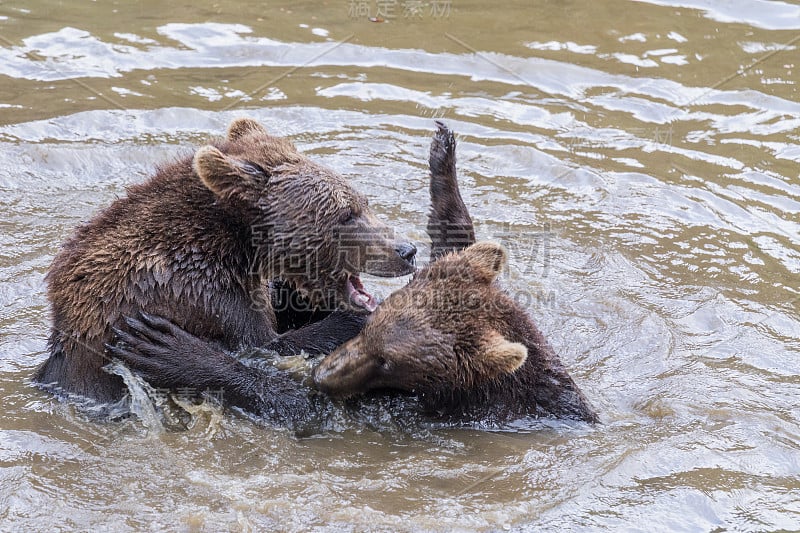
[
  {"x": 202, "y": 244},
  {"x": 454, "y": 339},
  {"x": 452, "y": 336}
]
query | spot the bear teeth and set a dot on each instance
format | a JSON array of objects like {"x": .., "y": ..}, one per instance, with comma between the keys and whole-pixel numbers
[{"x": 358, "y": 296}]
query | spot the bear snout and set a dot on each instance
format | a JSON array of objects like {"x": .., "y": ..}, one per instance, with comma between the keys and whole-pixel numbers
[
  {"x": 391, "y": 259},
  {"x": 322, "y": 380},
  {"x": 343, "y": 373},
  {"x": 407, "y": 251}
]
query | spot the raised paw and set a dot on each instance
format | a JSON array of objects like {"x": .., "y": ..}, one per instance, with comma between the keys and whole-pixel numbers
[
  {"x": 442, "y": 160},
  {"x": 449, "y": 224}
]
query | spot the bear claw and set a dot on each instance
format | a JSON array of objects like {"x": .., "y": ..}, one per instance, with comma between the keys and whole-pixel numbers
[{"x": 442, "y": 160}]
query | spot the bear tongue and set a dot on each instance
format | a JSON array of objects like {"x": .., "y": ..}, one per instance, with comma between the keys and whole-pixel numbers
[{"x": 359, "y": 296}]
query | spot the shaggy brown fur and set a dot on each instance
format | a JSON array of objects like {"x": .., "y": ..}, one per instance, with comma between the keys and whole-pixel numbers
[
  {"x": 463, "y": 346},
  {"x": 451, "y": 336},
  {"x": 198, "y": 243}
]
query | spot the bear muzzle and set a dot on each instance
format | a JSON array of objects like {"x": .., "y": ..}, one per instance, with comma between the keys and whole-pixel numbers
[
  {"x": 396, "y": 259},
  {"x": 343, "y": 373},
  {"x": 406, "y": 251}
]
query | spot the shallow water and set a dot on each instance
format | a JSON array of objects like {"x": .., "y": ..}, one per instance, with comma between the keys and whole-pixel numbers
[{"x": 640, "y": 159}]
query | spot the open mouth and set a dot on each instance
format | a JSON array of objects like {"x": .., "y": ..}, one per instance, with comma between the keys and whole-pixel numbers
[{"x": 358, "y": 296}]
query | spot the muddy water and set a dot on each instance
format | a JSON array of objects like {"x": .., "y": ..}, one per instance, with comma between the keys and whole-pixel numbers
[{"x": 640, "y": 159}]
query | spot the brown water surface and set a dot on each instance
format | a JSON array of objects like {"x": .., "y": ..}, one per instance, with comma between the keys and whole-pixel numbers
[{"x": 640, "y": 159}]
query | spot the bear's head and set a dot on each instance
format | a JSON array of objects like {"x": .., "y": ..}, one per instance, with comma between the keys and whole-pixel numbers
[
  {"x": 308, "y": 226},
  {"x": 447, "y": 329}
]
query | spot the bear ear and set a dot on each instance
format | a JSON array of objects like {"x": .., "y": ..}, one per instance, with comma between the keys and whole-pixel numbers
[
  {"x": 500, "y": 356},
  {"x": 486, "y": 259},
  {"x": 244, "y": 126},
  {"x": 222, "y": 175}
]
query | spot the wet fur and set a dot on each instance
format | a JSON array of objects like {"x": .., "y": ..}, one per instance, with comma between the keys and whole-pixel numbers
[
  {"x": 438, "y": 338},
  {"x": 197, "y": 244},
  {"x": 468, "y": 352},
  {"x": 452, "y": 336}
]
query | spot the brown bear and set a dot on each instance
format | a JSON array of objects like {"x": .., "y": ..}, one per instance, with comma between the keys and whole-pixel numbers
[
  {"x": 199, "y": 244},
  {"x": 460, "y": 344},
  {"x": 451, "y": 337}
]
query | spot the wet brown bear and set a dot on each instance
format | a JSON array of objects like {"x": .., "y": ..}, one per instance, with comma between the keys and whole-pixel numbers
[
  {"x": 458, "y": 342},
  {"x": 198, "y": 244},
  {"x": 451, "y": 336}
]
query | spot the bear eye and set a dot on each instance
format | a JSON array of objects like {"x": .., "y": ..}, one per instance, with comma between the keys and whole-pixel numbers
[
  {"x": 382, "y": 362},
  {"x": 253, "y": 169},
  {"x": 347, "y": 217}
]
